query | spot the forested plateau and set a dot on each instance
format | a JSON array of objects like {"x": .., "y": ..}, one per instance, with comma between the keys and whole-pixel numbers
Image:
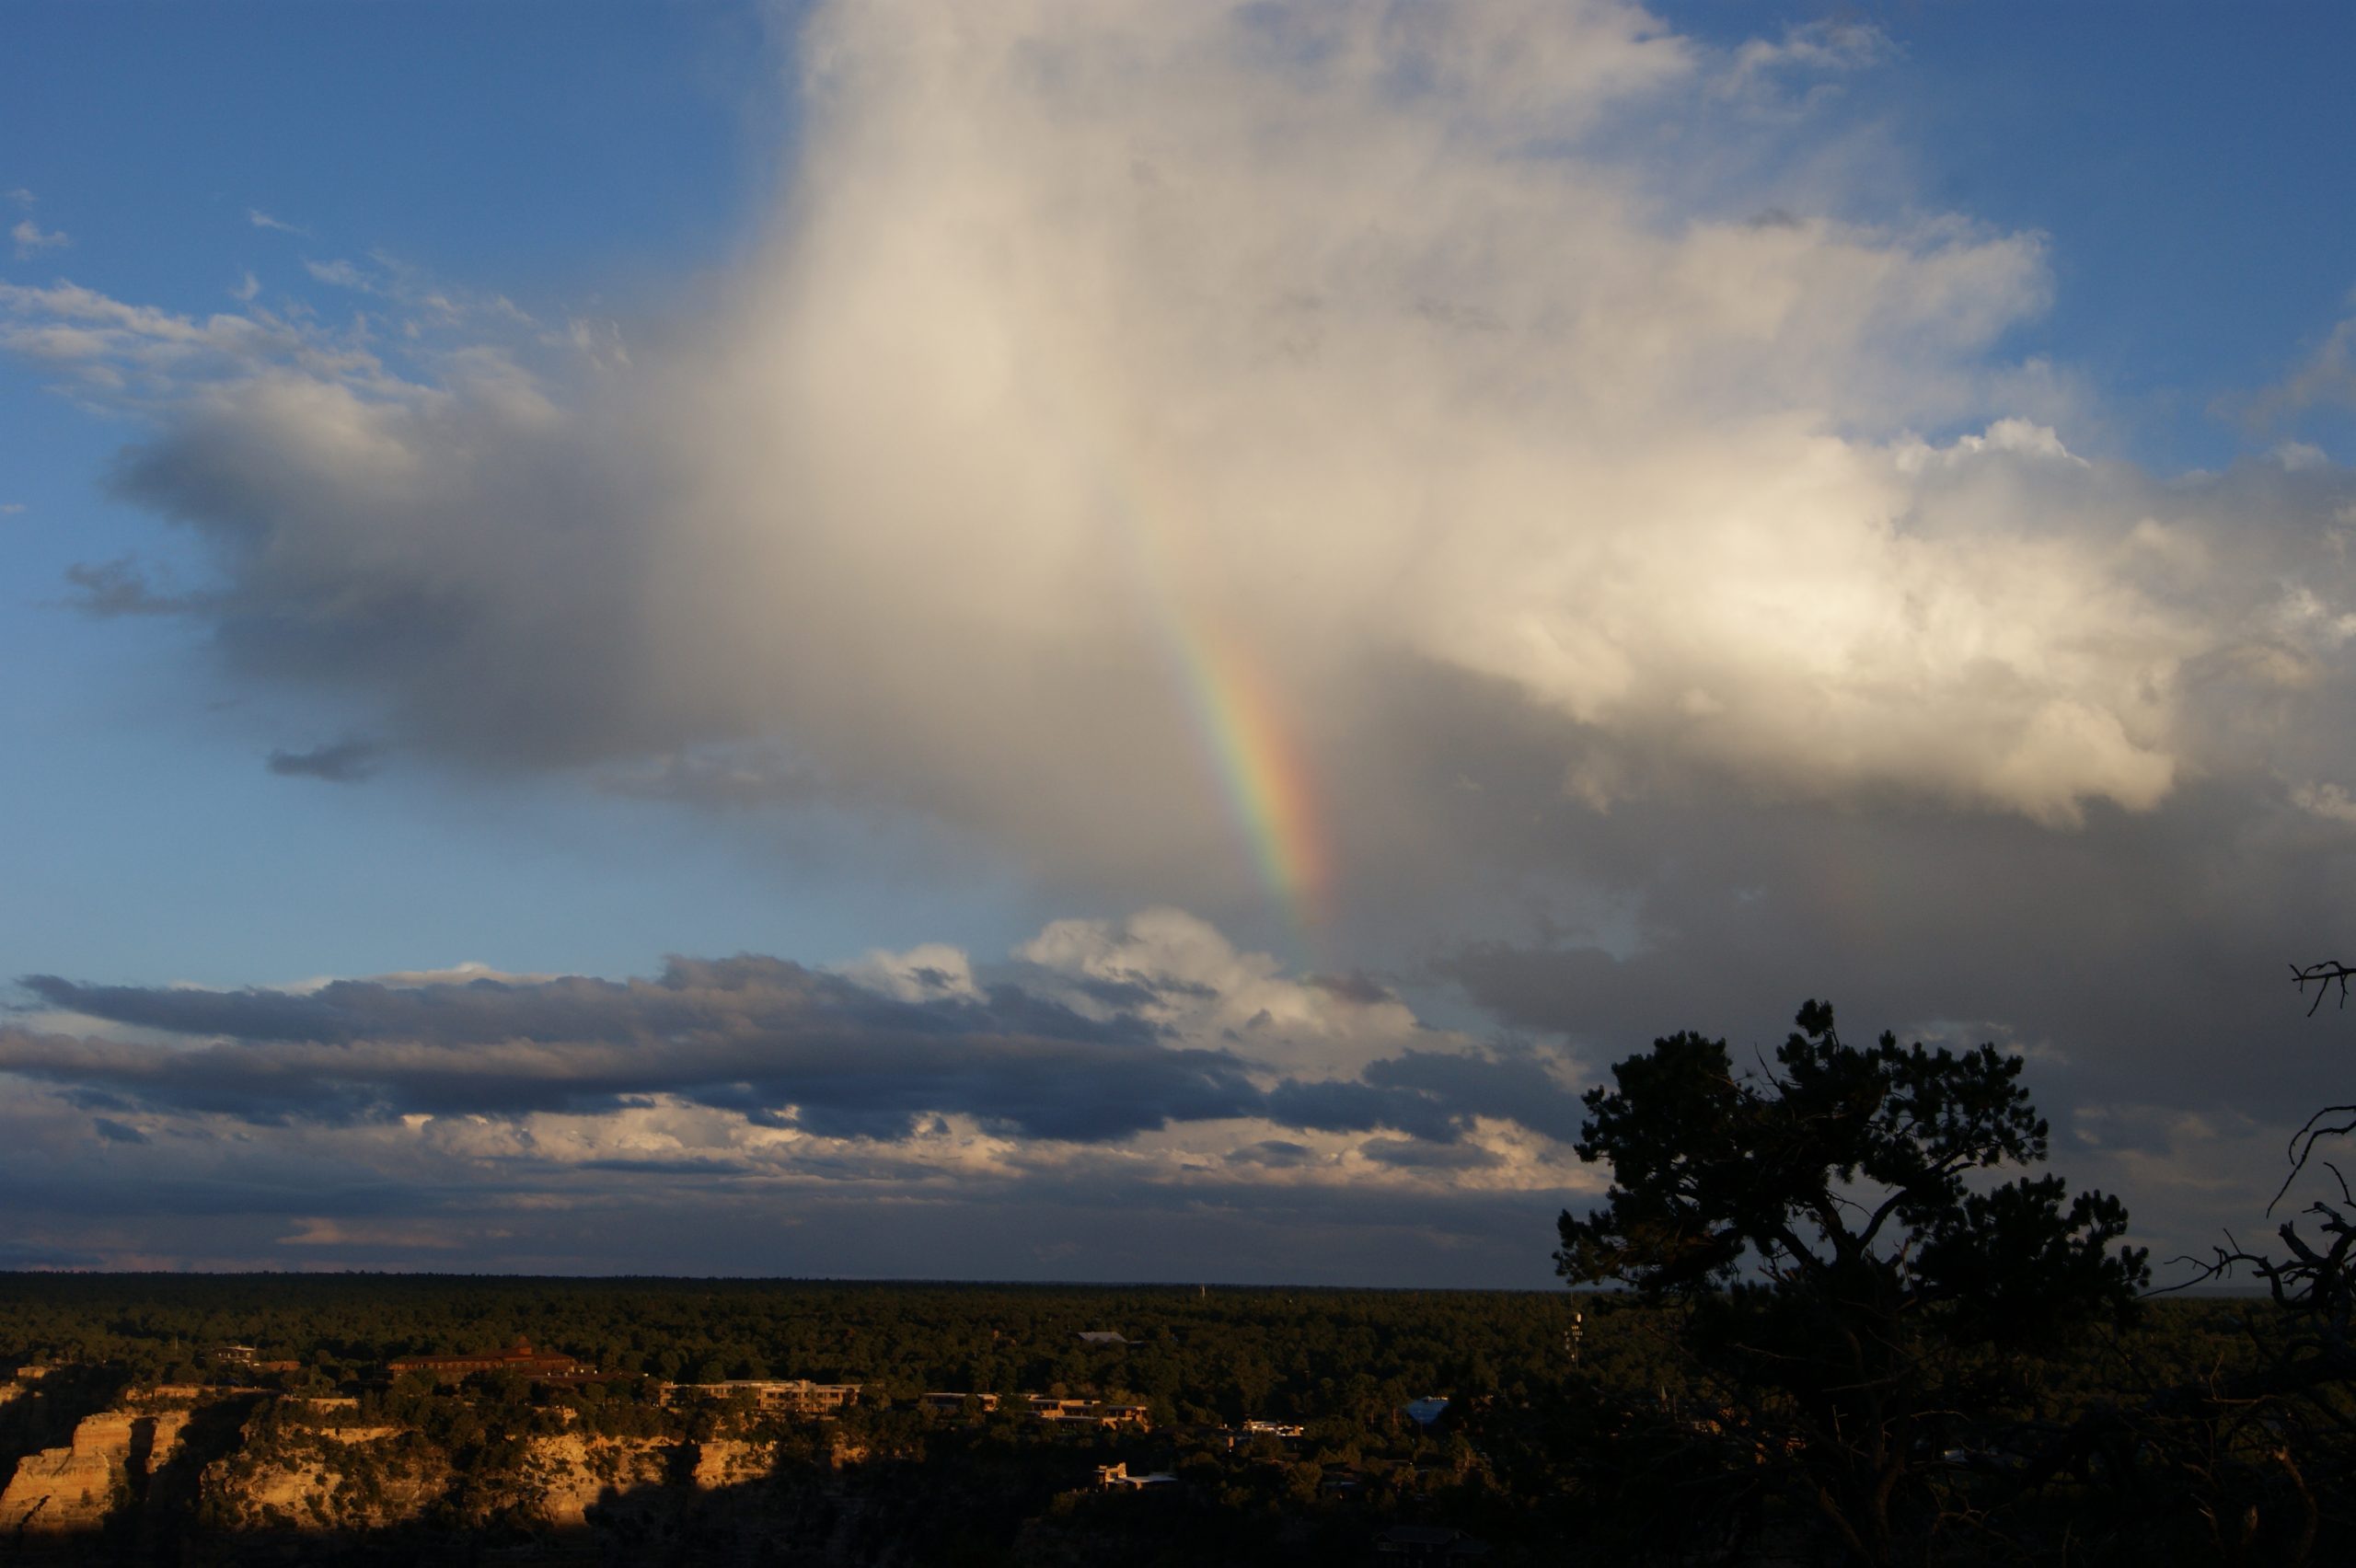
[{"x": 1575, "y": 1430}]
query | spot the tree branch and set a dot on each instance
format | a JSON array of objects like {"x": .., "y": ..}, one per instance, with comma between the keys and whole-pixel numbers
[{"x": 2324, "y": 975}]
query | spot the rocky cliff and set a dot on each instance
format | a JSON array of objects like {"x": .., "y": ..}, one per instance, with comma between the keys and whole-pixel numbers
[
  {"x": 157, "y": 1478},
  {"x": 570, "y": 1474},
  {"x": 107, "y": 1464},
  {"x": 73, "y": 1487},
  {"x": 722, "y": 1461},
  {"x": 375, "y": 1478},
  {"x": 334, "y": 1478}
]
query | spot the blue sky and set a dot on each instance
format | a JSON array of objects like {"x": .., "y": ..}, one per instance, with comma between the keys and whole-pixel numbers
[
  {"x": 852, "y": 330},
  {"x": 619, "y": 155},
  {"x": 2184, "y": 159}
]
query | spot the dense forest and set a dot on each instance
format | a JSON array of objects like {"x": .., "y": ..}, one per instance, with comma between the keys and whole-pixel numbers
[
  {"x": 1578, "y": 1427},
  {"x": 1216, "y": 1355}
]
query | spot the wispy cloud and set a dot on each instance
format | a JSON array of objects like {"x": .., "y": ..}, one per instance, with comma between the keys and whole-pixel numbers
[
  {"x": 738, "y": 776},
  {"x": 340, "y": 274},
  {"x": 319, "y": 1230},
  {"x": 262, "y": 220},
  {"x": 31, "y": 240},
  {"x": 342, "y": 762},
  {"x": 2326, "y": 377},
  {"x": 121, "y": 587},
  {"x": 1820, "y": 47},
  {"x": 120, "y": 350}
]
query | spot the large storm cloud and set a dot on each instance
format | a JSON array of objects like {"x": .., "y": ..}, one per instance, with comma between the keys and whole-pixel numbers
[
  {"x": 1359, "y": 337},
  {"x": 1684, "y": 584}
]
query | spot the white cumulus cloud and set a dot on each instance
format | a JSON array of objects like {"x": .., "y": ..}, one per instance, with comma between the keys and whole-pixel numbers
[{"x": 1127, "y": 383}]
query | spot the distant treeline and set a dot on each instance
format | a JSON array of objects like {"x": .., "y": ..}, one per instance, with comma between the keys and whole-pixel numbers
[
  {"x": 1198, "y": 1353},
  {"x": 1195, "y": 1353}
]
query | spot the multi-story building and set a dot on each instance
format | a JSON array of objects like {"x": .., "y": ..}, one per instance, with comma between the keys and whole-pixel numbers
[
  {"x": 1093, "y": 1413},
  {"x": 1045, "y": 1407},
  {"x": 792, "y": 1396},
  {"x": 518, "y": 1357},
  {"x": 953, "y": 1404}
]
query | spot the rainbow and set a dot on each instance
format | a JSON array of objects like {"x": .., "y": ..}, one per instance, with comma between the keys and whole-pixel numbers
[
  {"x": 1264, "y": 776},
  {"x": 1262, "y": 773}
]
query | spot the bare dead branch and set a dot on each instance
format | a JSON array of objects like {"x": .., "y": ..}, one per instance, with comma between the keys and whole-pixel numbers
[
  {"x": 2324, "y": 976},
  {"x": 2302, "y": 1142}
]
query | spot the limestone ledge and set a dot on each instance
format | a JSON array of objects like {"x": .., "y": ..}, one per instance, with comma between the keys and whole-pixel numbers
[
  {"x": 361, "y": 1477},
  {"x": 74, "y": 1488}
]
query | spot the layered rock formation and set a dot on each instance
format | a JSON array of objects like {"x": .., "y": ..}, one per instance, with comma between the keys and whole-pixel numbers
[
  {"x": 722, "y": 1461},
  {"x": 161, "y": 1472},
  {"x": 570, "y": 1474},
  {"x": 332, "y": 1477},
  {"x": 75, "y": 1487}
]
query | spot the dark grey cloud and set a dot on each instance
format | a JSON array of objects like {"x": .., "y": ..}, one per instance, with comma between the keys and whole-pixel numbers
[
  {"x": 385, "y": 1121},
  {"x": 341, "y": 762},
  {"x": 2140, "y": 963},
  {"x": 2143, "y": 957},
  {"x": 698, "y": 1169},
  {"x": 171, "y": 1184},
  {"x": 1356, "y": 985},
  {"x": 17, "y": 1255},
  {"x": 121, "y": 587},
  {"x": 607, "y": 1220},
  {"x": 1343, "y": 1106},
  {"x": 1431, "y": 1095},
  {"x": 742, "y": 1034},
  {"x": 777, "y": 1042},
  {"x": 1416, "y": 1154},
  {"x": 521, "y": 644},
  {"x": 732, "y": 777}
]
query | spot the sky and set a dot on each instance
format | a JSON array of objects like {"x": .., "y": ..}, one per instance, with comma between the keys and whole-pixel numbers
[{"x": 1097, "y": 639}]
